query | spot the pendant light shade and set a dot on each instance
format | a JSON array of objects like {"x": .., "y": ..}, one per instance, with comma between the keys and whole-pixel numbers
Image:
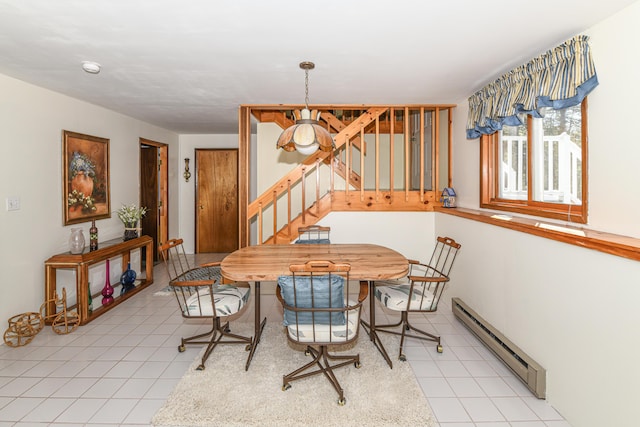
[{"x": 306, "y": 135}]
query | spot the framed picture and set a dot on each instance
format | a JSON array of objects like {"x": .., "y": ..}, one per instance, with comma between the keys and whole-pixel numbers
[{"x": 85, "y": 178}]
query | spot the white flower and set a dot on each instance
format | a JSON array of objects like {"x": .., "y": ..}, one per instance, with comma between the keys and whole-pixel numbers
[{"x": 131, "y": 214}]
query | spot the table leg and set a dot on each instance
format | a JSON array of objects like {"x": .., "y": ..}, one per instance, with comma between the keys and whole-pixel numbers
[
  {"x": 259, "y": 325},
  {"x": 371, "y": 326},
  {"x": 82, "y": 293}
]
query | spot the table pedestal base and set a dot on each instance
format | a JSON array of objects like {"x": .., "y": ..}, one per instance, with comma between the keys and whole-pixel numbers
[
  {"x": 254, "y": 343},
  {"x": 370, "y": 328},
  {"x": 259, "y": 326}
]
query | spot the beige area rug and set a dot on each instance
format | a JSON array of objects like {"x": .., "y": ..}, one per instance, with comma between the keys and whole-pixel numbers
[{"x": 224, "y": 394}]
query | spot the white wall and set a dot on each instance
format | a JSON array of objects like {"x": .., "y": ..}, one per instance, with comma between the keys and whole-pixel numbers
[
  {"x": 187, "y": 190},
  {"x": 410, "y": 233},
  {"x": 32, "y": 120},
  {"x": 573, "y": 309}
]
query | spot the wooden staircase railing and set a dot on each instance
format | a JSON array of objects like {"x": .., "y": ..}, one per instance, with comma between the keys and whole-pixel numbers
[
  {"x": 284, "y": 185},
  {"x": 303, "y": 196}
]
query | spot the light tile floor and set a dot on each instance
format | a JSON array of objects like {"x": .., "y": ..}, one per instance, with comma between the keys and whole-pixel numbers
[{"x": 120, "y": 368}]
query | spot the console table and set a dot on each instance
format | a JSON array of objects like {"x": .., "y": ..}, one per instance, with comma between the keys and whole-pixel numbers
[{"x": 81, "y": 262}]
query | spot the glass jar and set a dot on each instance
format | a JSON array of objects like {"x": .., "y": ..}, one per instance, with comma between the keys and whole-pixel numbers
[{"x": 76, "y": 241}]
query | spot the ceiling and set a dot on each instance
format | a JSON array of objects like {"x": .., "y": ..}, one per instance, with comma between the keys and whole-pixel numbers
[{"x": 187, "y": 65}]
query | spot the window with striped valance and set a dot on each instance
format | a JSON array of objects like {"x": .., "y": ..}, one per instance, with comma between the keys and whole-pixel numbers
[{"x": 560, "y": 78}]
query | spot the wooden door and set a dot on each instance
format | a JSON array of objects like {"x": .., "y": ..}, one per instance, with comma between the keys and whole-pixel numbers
[
  {"x": 149, "y": 192},
  {"x": 153, "y": 191},
  {"x": 216, "y": 200}
]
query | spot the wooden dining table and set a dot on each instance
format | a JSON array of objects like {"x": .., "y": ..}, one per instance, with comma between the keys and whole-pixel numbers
[{"x": 267, "y": 262}]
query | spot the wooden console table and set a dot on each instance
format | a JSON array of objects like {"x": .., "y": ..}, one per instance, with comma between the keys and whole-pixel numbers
[{"x": 81, "y": 262}]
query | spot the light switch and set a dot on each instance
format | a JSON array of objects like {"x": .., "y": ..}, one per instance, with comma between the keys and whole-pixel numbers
[{"x": 13, "y": 203}]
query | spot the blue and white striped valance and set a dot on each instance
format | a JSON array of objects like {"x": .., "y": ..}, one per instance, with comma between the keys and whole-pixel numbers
[{"x": 560, "y": 78}]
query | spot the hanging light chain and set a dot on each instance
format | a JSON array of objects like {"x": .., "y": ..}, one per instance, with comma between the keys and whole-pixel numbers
[
  {"x": 306, "y": 88},
  {"x": 306, "y": 66}
]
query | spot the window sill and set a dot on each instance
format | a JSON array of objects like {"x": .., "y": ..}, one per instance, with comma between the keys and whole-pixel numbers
[{"x": 614, "y": 244}]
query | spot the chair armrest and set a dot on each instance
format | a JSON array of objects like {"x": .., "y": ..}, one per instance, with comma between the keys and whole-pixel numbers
[
  {"x": 428, "y": 279},
  {"x": 198, "y": 276},
  {"x": 364, "y": 290},
  {"x": 279, "y": 295},
  {"x": 191, "y": 284},
  {"x": 210, "y": 264}
]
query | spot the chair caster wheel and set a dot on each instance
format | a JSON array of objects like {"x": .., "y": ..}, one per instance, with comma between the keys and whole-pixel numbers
[
  {"x": 342, "y": 402},
  {"x": 439, "y": 348},
  {"x": 357, "y": 365},
  {"x": 402, "y": 358},
  {"x": 307, "y": 352},
  {"x": 200, "y": 368},
  {"x": 227, "y": 329},
  {"x": 286, "y": 387},
  {"x": 247, "y": 347},
  {"x": 181, "y": 348}
]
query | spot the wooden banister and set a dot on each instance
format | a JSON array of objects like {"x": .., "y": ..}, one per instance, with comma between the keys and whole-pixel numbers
[{"x": 409, "y": 137}]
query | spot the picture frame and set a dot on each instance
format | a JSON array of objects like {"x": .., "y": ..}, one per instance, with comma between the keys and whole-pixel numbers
[{"x": 86, "y": 192}]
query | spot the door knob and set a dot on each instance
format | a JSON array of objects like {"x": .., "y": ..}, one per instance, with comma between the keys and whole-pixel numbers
[{"x": 201, "y": 207}]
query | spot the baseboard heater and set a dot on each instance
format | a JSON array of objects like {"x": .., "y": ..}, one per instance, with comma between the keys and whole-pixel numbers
[{"x": 530, "y": 372}]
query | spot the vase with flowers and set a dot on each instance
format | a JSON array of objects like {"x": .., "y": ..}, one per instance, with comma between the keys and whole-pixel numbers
[
  {"x": 130, "y": 215},
  {"x": 82, "y": 173}
]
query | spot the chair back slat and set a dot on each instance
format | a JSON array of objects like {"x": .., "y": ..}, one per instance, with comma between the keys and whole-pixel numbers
[
  {"x": 439, "y": 266},
  {"x": 174, "y": 257},
  {"x": 313, "y": 234},
  {"x": 190, "y": 284}
]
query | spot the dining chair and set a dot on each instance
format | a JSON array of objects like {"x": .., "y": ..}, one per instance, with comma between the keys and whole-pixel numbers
[
  {"x": 201, "y": 294},
  {"x": 313, "y": 234},
  {"x": 319, "y": 311},
  {"x": 420, "y": 292}
]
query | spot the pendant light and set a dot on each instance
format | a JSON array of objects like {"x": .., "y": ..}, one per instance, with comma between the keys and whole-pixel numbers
[{"x": 306, "y": 135}]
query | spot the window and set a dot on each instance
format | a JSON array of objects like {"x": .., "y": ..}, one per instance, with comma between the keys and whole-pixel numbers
[{"x": 539, "y": 169}]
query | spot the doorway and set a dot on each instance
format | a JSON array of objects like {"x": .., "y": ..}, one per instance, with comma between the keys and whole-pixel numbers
[
  {"x": 216, "y": 200},
  {"x": 154, "y": 191}
]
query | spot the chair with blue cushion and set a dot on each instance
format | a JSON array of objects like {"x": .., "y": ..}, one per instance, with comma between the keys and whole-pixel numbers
[
  {"x": 420, "y": 291},
  {"x": 313, "y": 234},
  {"x": 321, "y": 309},
  {"x": 201, "y": 294}
]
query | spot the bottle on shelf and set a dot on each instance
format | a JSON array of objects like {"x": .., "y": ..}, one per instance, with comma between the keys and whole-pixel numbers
[
  {"x": 127, "y": 280},
  {"x": 93, "y": 237},
  {"x": 107, "y": 291}
]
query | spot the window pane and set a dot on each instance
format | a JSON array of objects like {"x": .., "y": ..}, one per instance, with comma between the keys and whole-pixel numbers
[
  {"x": 537, "y": 168},
  {"x": 557, "y": 156},
  {"x": 513, "y": 163}
]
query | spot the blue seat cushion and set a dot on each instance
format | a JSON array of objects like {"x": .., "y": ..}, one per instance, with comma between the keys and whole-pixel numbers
[
  {"x": 313, "y": 241},
  {"x": 326, "y": 294}
]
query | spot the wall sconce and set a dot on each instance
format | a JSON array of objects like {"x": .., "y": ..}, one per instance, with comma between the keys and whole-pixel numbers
[{"x": 186, "y": 173}]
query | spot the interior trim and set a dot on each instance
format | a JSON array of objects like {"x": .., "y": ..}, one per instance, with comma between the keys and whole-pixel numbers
[{"x": 614, "y": 244}]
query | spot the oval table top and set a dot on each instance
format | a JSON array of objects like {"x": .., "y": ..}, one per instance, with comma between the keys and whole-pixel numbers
[{"x": 267, "y": 262}]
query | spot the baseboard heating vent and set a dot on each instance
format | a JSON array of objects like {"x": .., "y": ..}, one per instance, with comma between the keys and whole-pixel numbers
[{"x": 531, "y": 373}]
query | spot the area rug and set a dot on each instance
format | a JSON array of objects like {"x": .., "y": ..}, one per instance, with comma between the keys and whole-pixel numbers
[
  {"x": 224, "y": 394},
  {"x": 164, "y": 292}
]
